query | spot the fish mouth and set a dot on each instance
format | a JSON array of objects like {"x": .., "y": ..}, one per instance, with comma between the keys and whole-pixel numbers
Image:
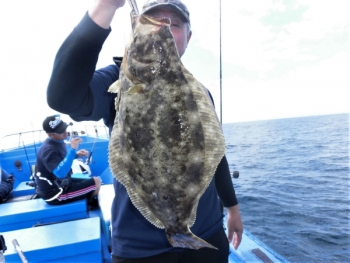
[{"x": 155, "y": 21}]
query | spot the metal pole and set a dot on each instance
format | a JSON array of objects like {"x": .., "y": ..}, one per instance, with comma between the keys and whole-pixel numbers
[
  {"x": 220, "y": 71},
  {"x": 134, "y": 7},
  {"x": 19, "y": 251}
]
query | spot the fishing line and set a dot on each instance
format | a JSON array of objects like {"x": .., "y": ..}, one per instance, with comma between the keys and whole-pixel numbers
[
  {"x": 36, "y": 155},
  {"x": 25, "y": 150},
  {"x": 34, "y": 139}
]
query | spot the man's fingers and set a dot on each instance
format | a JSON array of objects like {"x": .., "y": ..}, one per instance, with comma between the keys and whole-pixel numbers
[
  {"x": 230, "y": 235},
  {"x": 84, "y": 152},
  {"x": 237, "y": 240},
  {"x": 76, "y": 139}
]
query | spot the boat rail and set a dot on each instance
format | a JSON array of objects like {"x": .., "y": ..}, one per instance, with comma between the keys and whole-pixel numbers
[{"x": 34, "y": 137}]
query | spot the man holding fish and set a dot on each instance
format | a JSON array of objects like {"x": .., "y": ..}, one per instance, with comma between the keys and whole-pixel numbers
[{"x": 135, "y": 237}]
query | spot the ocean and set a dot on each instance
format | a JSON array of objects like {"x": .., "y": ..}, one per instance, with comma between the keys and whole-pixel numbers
[{"x": 293, "y": 185}]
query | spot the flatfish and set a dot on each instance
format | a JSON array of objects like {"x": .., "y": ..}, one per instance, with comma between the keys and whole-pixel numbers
[{"x": 166, "y": 142}]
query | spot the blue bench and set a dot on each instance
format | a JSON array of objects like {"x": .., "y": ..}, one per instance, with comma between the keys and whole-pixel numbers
[
  {"x": 105, "y": 200},
  {"x": 25, "y": 214},
  {"x": 23, "y": 189},
  {"x": 74, "y": 241}
]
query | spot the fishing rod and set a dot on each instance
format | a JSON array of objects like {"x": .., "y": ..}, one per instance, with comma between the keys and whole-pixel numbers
[
  {"x": 134, "y": 12},
  {"x": 33, "y": 138},
  {"x": 234, "y": 174},
  {"x": 19, "y": 251},
  {"x": 33, "y": 166},
  {"x": 220, "y": 70},
  {"x": 88, "y": 160},
  {"x": 25, "y": 150},
  {"x": 36, "y": 154},
  {"x": 133, "y": 5}
]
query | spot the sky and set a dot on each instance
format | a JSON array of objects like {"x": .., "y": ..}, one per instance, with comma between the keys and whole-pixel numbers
[{"x": 280, "y": 58}]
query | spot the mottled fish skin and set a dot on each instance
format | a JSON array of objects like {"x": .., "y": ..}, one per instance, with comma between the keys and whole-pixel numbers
[{"x": 167, "y": 141}]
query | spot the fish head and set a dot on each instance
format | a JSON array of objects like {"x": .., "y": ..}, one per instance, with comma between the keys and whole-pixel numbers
[{"x": 151, "y": 50}]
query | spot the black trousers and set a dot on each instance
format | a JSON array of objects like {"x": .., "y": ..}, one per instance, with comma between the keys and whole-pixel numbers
[{"x": 203, "y": 255}]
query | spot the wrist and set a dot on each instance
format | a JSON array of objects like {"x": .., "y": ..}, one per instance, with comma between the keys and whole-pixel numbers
[
  {"x": 102, "y": 14},
  {"x": 233, "y": 209}
]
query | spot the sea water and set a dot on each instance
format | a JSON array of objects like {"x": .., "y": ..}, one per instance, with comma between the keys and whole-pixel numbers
[{"x": 293, "y": 188}]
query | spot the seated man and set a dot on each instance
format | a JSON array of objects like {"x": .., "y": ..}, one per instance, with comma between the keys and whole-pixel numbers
[
  {"x": 6, "y": 184},
  {"x": 53, "y": 167}
]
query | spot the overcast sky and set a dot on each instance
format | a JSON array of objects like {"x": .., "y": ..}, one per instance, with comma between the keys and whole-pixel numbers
[{"x": 280, "y": 59}]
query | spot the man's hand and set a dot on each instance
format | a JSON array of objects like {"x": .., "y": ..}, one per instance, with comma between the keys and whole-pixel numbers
[
  {"x": 116, "y": 3},
  {"x": 82, "y": 153},
  {"x": 102, "y": 12},
  {"x": 234, "y": 226},
  {"x": 74, "y": 143}
]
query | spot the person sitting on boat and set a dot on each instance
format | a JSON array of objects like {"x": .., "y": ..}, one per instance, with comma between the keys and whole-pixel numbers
[
  {"x": 6, "y": 184},
  {"x": 53, "y": 167},
  {"x": 77, "y": 90}
]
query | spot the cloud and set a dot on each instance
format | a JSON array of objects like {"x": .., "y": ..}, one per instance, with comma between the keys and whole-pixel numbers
[
  {"x": 280, "y": 58},
  {"x": 280, "y": 18},
  {"x": 312, "y": 89}
]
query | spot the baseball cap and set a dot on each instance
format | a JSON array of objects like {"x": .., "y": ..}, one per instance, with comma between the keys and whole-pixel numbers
[
  {"x": 175, "y": 4},
  {"x": 54, "y": 124}
]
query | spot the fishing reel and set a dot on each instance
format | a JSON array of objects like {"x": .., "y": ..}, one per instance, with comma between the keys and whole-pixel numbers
[
  {"x": 75, "y": 133},
  {"x": 234, "y": 174},
  {"x": 79, "y": 166}
]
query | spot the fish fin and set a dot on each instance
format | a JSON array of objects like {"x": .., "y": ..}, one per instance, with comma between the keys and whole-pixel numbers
[
  {"x": 120, "y": 173},
  {"x": 188, "y": 240},
  {"x": 115, "y": 159},
  {"x": 192, "y": 218},
  {"x": 214, "y": 140},
  {"x": 137, "y": 89},
  {"x": 115, "y": 87}
]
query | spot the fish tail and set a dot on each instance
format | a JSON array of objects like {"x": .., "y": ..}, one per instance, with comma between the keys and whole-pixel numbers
[{"x": 188, "y": 240}]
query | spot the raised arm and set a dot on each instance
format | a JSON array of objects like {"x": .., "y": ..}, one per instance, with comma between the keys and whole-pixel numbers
[{"x": 74, "y": 86}]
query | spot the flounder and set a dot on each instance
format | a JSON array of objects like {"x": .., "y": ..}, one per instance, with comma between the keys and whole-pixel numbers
[{"x": 166, "y": 142}]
